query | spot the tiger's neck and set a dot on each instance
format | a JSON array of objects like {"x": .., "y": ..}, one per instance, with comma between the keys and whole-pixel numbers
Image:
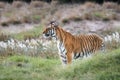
[{"x": 63, "y": 35}]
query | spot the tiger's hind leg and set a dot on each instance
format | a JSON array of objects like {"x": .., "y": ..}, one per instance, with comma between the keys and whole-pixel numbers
[{"x": 69, "y": 57}]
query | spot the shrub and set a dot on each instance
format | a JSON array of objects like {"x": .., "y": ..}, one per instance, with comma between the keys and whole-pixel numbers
[
  {"x": 110, "y": 5},
  {"x": 37, "y": 4},
  {"x": 4, "y": 37},
  {"x": 90, "y": 5},
  {"x": 111, "y": 16},
  {"x": 4, "y": 24},
  {"x": 27, "y": 19},
  {"x": 17, "y": 4},
  {"x": 86, "y": 16},
  {"x": 72, "y": 18},
  {"x": 112, "y": 45},
  {"x": 65, "y": 21},
  {"x": 114, "y": 17}
]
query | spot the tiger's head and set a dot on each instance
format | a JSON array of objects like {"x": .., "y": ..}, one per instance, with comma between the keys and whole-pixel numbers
[{"x": 50, "y": 30}]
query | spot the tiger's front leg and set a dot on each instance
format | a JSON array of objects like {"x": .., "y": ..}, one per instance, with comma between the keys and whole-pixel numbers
[
  {"x": 63, "y": 58},
  {"x": 66, "y": 58}
]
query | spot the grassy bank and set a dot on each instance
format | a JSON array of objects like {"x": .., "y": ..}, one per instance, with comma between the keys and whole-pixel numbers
[{"x": 98, "y": 67}]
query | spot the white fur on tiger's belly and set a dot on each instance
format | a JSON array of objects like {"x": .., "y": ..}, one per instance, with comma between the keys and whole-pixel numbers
[{"x": 61, "y": 48}]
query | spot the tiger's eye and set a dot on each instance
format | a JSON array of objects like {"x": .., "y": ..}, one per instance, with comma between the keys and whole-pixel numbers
[{"x": 46, "y": 34}]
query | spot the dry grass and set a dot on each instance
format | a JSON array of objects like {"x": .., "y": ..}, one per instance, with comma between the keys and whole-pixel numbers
[
  {"x": 2, "y": 5},
  {"x": 87, "y": 16},
  {"x": 110, "y": 5},
  {"x": 112, "y": 45},
  {"x": 26, "y": 19},
  {"x": 18, "y": 4},
  {"x": 11, "y": 20},
  {"x": 72, "y": 18},
  {"x": 38, "y": 11},
  {"x": 4, "y": 37},
  {"x": 30, "y": 36},
  {"x": 37, "y": 4},
  {"x": 87, "y": 11},
  {"x": 90, "y": 5},
  {"x": 118, "y": 9}
]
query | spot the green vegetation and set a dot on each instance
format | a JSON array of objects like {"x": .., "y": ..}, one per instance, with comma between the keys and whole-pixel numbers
[
  {"x": 29, "y": 34},
  {"x": 98, "y": 67},
  {"x": 26, "y": 68},
  {"x": 99, "y": 14},
  {"x": 36, "y": 17},
  {"x": 34, "y": 33}
]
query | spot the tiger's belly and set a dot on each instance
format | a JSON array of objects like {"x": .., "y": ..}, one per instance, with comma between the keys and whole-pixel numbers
[{"x": 82, "y": 54}]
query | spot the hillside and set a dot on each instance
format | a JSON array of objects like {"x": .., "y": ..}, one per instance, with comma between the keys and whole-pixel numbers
[{"x": 98, "y": 67}]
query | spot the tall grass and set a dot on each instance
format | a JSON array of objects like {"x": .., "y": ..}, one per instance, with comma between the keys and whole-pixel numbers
[{"x": 33, "y": 47}]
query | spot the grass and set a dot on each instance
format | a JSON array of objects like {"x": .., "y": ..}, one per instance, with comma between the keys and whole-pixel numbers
[
  {"x": 99, "y": 14},
  {"x": 98, "y": 67},
  {"x": 34, "y": 33},
  {"x": 26, "y": 68}
]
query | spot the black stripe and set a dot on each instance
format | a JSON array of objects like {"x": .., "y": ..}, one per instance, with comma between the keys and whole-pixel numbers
[
  {"x": 63, "y": 56},
  {"x": 76, "y": 56},
  {"x": 64, "y": 50},
  {"x": 64, "y": 61}
]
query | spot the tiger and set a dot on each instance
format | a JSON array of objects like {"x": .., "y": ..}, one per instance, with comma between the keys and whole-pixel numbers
[{"x": 72, "y": 46}]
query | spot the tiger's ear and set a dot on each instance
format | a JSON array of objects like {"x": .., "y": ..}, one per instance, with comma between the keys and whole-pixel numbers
[{"x": 54, "y": 23}]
